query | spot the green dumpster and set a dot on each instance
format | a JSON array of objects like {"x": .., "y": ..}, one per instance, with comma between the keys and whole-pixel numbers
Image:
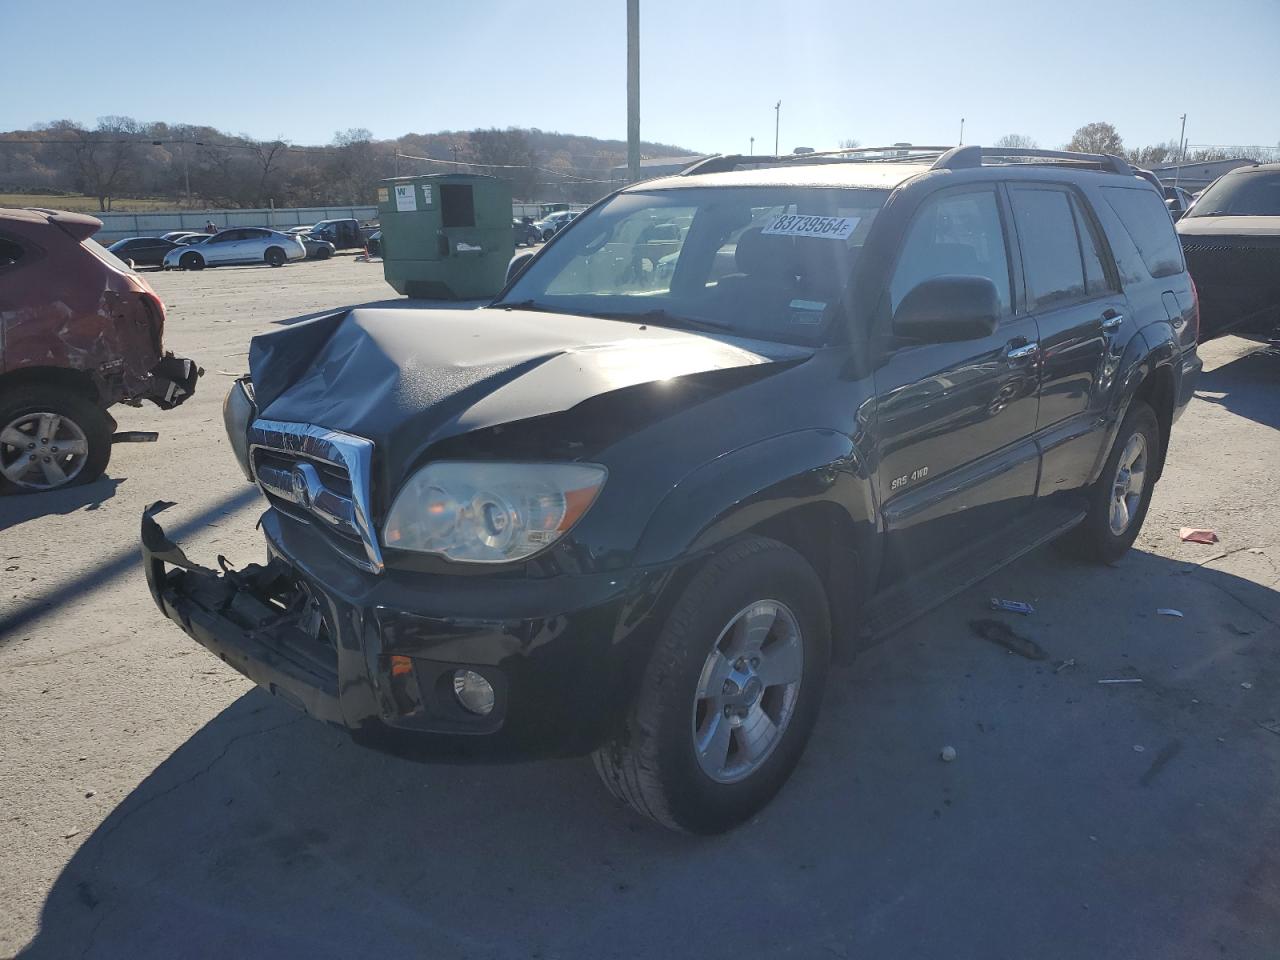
[{"x": 446, "y": 236}]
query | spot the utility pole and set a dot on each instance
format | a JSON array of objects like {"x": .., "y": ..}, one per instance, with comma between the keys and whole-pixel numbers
[
  {"x": 633, "y": 90},
  {"x": 962, "y": 131},
  {"x": 1182, "y": 140},
  {"x": 752, "y": 149},
  {"x": 455, "y": 152},
  {"x": 777, "y": 125},
  {"x": 186, "y": 173}
]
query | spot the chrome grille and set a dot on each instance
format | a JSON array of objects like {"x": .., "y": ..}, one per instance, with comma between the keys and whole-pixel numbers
[{"x": 319, "y": 475}]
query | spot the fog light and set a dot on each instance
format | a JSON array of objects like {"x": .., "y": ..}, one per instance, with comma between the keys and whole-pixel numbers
[{"x": 473, "y": 691}]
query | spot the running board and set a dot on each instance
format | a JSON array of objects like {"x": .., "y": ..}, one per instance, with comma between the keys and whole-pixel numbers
[{"x": 916, "y": 596}]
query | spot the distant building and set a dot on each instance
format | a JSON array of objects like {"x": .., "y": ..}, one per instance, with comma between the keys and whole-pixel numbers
[
  {"x": 1196, "y": 176},
  {"x": 655, "y": 167}
]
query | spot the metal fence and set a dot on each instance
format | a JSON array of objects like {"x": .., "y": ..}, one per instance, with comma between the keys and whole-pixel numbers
[{"x": 116, "y": 226}]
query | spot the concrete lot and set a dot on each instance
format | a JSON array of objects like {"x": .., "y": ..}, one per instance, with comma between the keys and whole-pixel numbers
[{"x": 154, "y": 804}]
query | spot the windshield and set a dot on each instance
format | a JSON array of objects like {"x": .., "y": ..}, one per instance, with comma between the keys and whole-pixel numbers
[
  {"x": 1244, "y": 195},
  {"x": 767, "y": 262}
]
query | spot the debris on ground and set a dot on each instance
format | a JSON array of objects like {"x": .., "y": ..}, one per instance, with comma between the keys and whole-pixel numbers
[
  {"x": 1196, "y": 535},
  {"x": 1138, "y": 748},
  {"x": 1012, "y": 606},
  {"x": 1247, "y": 685},
  {"x": 1000, "y": 633},
  {"x": 70, "y": 833},
  {"x": 948, "y": 754},
  {"x": 1062, "y": 665},
  {"x": 1123, "y": 680},
  {"x": 89, "y": 793},
  {"x": 1169, "y": 612}
]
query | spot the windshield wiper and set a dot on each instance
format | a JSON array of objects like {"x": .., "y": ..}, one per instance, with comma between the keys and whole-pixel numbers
[
  {"x": 667, "y": 319},
  {"x": 527, "y": 305}
]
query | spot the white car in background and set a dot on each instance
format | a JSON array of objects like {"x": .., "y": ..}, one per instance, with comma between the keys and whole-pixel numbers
[
  {"x": 553, "y": 223},
  {"x": 238, "y": 245}
]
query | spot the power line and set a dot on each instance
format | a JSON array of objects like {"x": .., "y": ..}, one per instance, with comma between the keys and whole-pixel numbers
[{"x": 571, "y": 177}]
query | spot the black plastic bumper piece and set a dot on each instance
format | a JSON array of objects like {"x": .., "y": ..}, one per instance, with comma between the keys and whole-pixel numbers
[{"x": 377, "y": 655}]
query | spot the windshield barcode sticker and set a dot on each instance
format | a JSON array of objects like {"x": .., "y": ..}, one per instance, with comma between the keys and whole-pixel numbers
[{"x": 795, "y": 225}]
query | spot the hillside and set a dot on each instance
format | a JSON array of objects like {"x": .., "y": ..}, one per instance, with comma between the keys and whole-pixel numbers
[{"x": 123, "y": 163}]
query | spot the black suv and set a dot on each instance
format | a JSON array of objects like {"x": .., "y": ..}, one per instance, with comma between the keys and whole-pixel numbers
[{"x": 722, "y": 420}]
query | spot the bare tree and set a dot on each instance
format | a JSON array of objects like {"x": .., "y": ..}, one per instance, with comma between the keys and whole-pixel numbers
[
  {"x": 1097, "y": 137},
  {"x": 354, "y": 165},
  {"x": 850, "y": 144},
  {"x": 268, "y": 153},
  {"x": 103, "y": 159},
  {"x": 1016, "y": 141},
  {"x": 510, "y": 155}
]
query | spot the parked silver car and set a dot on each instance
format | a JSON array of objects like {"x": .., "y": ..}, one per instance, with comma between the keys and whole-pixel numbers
[
  {"x": 553, "y": 223},
  {"x": 238, "y": 245}
]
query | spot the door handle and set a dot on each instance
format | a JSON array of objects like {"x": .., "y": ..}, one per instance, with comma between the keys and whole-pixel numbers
[
  {"x": 1021, "y": 352},
  {"x": 1111, "y": 319}
]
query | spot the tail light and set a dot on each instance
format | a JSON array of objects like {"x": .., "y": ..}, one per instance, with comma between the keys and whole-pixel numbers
[
  {"x": 154, "y": 308},
  {"x": 1195, "y": 311}
]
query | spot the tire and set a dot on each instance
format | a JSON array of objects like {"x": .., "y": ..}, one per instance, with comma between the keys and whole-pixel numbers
[
  {"x": 1097, "y": 538},
  {"x": 275, "y": 256},
  {"x": 81, "y": 422},
  {"x": 191, "y": 261},
  {"x": 652, "y": 763},
  {"x": 324, "y": 254}
]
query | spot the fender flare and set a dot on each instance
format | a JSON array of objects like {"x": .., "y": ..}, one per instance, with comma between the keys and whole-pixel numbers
[
  {"x": 756, "y": 483},
  {"x": 1145, "y": 354}
]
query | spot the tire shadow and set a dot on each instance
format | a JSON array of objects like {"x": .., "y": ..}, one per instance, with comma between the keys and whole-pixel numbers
[
  {"x": 1249, "y": 386},
  {"x": 1051, "y": 834},
  {"x": 17, "y": 509}
]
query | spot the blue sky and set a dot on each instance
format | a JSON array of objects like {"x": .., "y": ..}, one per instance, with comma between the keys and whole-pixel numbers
[{"x": 711, "y": 69}]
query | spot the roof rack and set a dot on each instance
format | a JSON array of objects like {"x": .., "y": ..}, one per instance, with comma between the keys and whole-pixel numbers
[
  {"x": 896, "y": 153},
  {"x": 965, "y": 158},
  {"x": 944, "y": 158}
]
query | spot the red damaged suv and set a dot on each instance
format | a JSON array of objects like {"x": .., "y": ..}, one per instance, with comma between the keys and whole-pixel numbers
[{"x": 79, "y": 332}]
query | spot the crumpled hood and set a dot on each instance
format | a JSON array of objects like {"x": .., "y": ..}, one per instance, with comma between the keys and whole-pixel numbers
[
  {"x": 407, "y": 378},
  {"x": 1229, "y": 226}
]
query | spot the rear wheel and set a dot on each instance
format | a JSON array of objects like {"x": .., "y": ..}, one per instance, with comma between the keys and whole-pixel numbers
[
  {"x": 324, "y": 254},
  {"x": 275, "y": 256},
  {"x": 50, "y": 438},
  {"x": 191, "y": 261},
  {"x": 1119, "y": 500},
  {"x": 730, "y": 695}
]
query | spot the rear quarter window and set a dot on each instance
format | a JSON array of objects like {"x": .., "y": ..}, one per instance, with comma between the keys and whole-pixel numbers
[{"x": 1146, "y": 220}]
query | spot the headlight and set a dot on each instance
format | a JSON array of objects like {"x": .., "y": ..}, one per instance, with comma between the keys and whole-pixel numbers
[
  {"x": 490, "y": 512},
  {"x": 238, "y": 411}
]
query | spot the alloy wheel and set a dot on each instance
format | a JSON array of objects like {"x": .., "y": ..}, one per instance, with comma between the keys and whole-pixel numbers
[
  {"x": 1127, "y": 487},
  {"x": 747, "y": 691},
  {"x": 42, "y": 450}
]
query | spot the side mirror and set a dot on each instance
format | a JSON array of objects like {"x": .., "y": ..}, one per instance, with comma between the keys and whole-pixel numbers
[
  {"x": 517, "y": 264},
  {"x": 947, "y": 309}
]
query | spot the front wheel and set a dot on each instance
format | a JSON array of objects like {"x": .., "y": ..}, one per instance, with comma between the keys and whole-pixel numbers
[
  {"x": 275, "y": 256},
  {"x": 191, "y": 261},
  {"x": 730, "y": 694},
  {"x": 1119, "y": 500},
  {"x": 51, "y": 438}
]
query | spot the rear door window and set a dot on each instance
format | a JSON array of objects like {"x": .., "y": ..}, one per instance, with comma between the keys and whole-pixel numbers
[
  {"x": 956, "y": 232},
  {"x": 1096, "y": 273},
  {"x": 1146, "y": 220},
  {"x": 1050, "y": 247}
]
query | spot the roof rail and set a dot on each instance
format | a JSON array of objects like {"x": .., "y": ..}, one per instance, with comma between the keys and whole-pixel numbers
[
  {"x": 895, "y": 153},
  {"x": 968, "y": 157}
]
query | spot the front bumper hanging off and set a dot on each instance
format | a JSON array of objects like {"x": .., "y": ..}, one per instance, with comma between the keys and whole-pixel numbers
[{"x": 377, "y": 655}]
